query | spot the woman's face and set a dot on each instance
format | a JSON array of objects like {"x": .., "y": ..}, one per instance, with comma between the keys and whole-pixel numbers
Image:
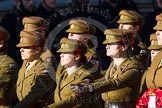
[
  {"x": 113, "y": 50},
  {"x": 68, "y": 59},
  {"x": 159, "y": 37},
  {"x": 27, "y": 53}
]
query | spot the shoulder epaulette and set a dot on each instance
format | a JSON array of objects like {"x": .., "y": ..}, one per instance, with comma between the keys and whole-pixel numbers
[{"x": 132, "y": 64}]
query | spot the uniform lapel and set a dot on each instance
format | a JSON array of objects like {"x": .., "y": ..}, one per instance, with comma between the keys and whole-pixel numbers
[
  {"x": 118, "y": 69},
  {"x": 107, "y": 76},
  {"x": 22, "y": 72},
  {"x": 71, "y": 78},
  {"x": 59, "y": 78},
  {"x": 152, "y": 71},
  {"x": 67, "y": 81},
  {"x": 33, "y": 68}
]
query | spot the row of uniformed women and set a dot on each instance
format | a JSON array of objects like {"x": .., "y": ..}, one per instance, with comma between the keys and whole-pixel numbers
[{"x": 80, "y": 66}]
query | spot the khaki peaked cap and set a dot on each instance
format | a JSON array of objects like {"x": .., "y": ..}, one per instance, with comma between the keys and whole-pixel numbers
[
  {"x": 81, "y": 27},
  {"x": 128, "y": 16},
  {"x": 4, "y": 34},
  {"x": 30, "y": 38},
  {"x": 116, "y": 35},
  {"x": 158, "y": 26},
  {"x": 35, "y": 23},
  {"x": 154, "y": 44},
  {"x": 68, "y": 45}
]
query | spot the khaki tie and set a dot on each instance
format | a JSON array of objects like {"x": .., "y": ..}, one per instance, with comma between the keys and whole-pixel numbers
[
  {"x": 62, "y": 80},
  {"x": 65, "y": 74},
  {"x": 112, "y": 70}
]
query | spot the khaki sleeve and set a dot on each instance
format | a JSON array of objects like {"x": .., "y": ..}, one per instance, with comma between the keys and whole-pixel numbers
[
  {"x": 8, "y": 78},
  {"x": 44, "y": 86},
  {"x": 8, "y": 71},
  {"x": 130, "y": 77},
  {"x": 74, "y": 100}
]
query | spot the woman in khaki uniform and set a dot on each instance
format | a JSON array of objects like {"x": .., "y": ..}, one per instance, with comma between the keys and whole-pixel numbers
[
  {"x": 38, "y": 24},
  {"x": 152, "y": 78},
  {"x": 133, "y": 21},
  {"x": 120, "y": 86},
  {"x": 73, "y": 72},
  {"x": 154, "y": 47},
  {"x": 34, "y": 85},
  {"x": 8, "y": 71},
  {"x": 82, "y": 31},
  {"x": 145, "y": 98}
]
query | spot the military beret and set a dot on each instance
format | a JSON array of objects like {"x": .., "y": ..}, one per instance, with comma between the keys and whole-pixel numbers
[
  {"x": 35, "y": 23},
  {"x": 158, "y": 26},
  {"x": 81, "y": 27},
  {"x": 4, "y": 34},
  {"x": 68, "y": 45},
  {"x": 128, "y": 16},
  {"x": 116, "y": 35},
  {"x": 154, "y": 44},
  {"x": 30, "y": 38}
]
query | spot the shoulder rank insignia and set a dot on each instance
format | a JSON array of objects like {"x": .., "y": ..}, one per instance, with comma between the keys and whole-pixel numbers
[{"x": 12, "y": 65}]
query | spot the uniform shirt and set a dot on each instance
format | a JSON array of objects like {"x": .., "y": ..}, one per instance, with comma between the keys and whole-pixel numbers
[
  {"x": 29, "y": 65},
  {"x": 71, "y": 70}
]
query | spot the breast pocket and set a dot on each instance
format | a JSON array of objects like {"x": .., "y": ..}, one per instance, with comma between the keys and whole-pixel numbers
[{"x": 29, "y": 83}]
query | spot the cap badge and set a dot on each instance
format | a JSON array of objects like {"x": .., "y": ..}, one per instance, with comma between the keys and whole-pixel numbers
[
  {"x": 159, "y": 23},
  {"x": 62, "y": 45},
  {"x": 21, "y": 40},
  {"x": 153, "y": 42},
  {"x": 25, "y": 25},
  {"x": 107, "y": 37},
  {"x": 122, "y": 17},
  {"x": 72, "y": 26}
]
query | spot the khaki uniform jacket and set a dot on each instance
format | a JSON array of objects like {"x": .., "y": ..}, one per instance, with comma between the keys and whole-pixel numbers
[
  {"x": 36, "y": 89},
  {"x": 123, "y": 85},
  {"x": 144, "y": 54},
  {"x": 65, "y": 98},
  {"x": 94, "y": 63},
  {"x": 8, "y": 78},
  {"x": 152, "y": 78},
  {"x": 48, "y": 57},
  {"x": 143, "y": 86}
]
